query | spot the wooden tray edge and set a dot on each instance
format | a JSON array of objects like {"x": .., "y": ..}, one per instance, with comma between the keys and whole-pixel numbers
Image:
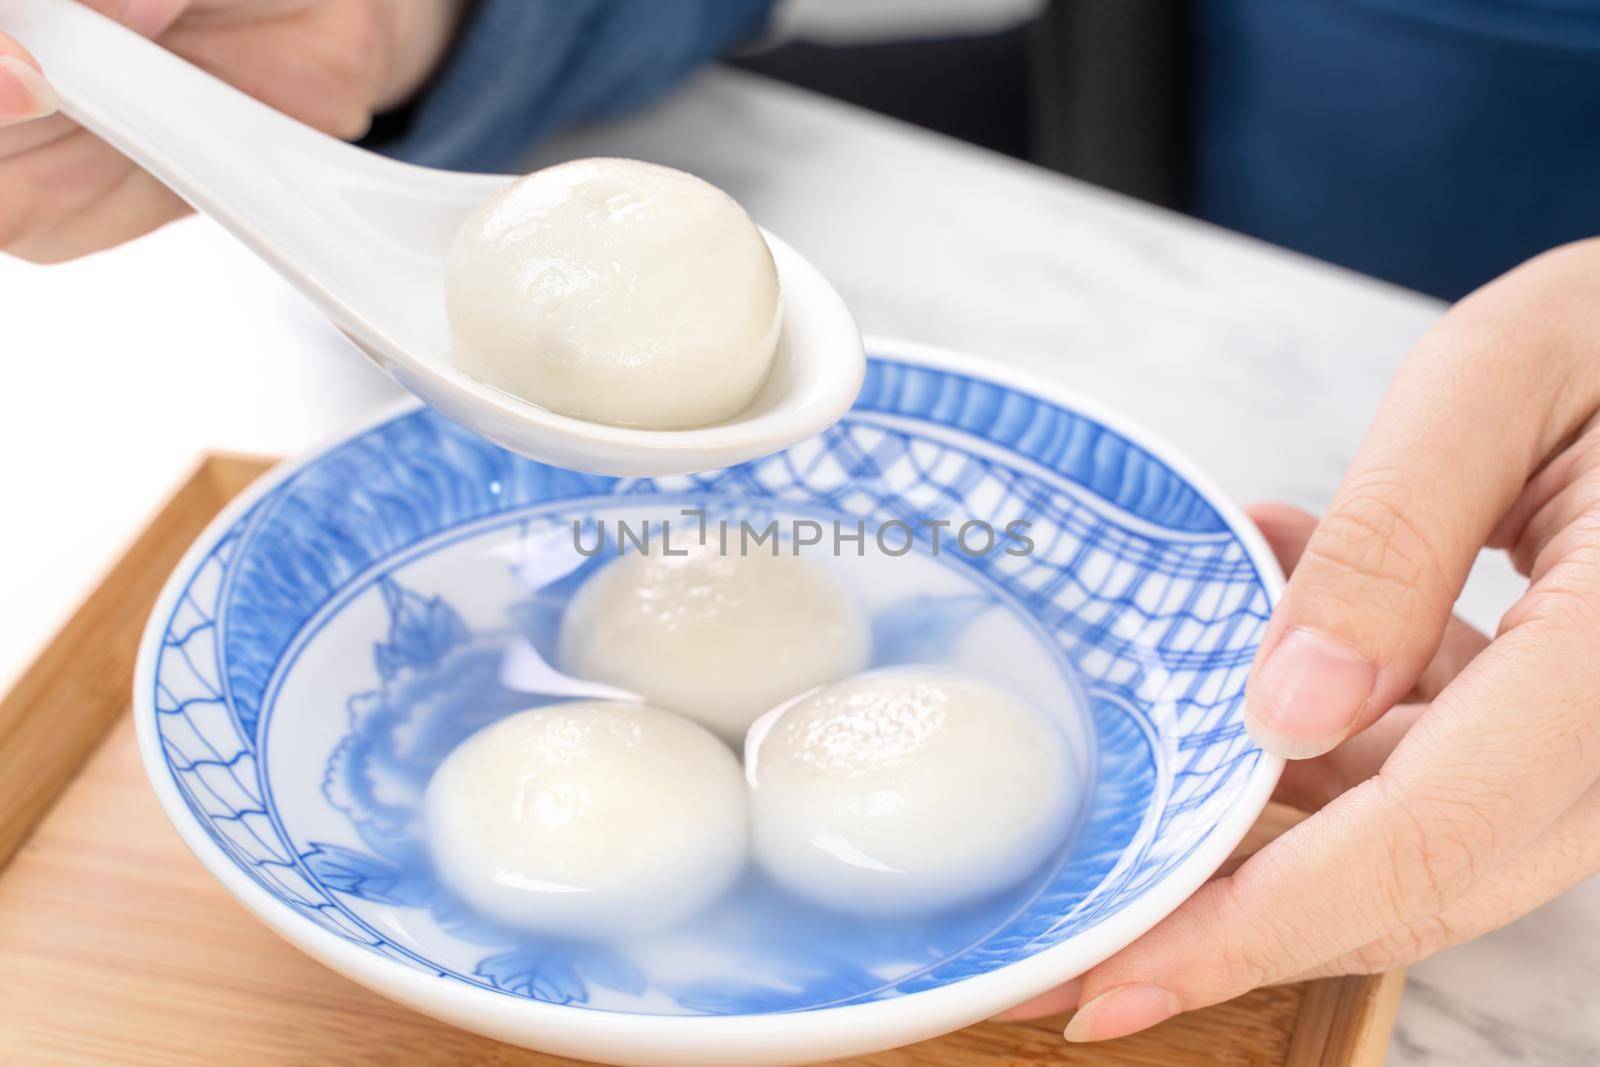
[
  {"x": 1346, "y": 1022},
  {"x": 1343, "y": 1022},
  {"x": 85, "y": 673}
]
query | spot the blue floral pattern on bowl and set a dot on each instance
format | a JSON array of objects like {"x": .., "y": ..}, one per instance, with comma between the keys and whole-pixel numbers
[{"x": 1135, "y": 580}]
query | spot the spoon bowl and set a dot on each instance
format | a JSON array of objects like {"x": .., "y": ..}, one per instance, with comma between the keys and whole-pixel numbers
[{"x": 364, "y": 238}]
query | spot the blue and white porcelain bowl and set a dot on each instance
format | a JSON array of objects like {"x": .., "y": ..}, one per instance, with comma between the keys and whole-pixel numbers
[{"x": 347, "y": 621}]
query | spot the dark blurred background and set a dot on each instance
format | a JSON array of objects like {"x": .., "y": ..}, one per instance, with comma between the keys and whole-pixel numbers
[
  {"x": 1431, "y": 143},
  {"x": 1094, "y": 90}
]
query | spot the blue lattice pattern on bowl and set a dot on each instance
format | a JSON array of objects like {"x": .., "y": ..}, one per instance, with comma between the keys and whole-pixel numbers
[{"x": 1136, "y": 577}]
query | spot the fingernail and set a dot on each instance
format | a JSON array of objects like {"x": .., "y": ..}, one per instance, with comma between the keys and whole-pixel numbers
[
  {"x": 1308, "y": 695},
  {"x": 24, "y": 94},
  {"x": 1124, "y": 1010}
]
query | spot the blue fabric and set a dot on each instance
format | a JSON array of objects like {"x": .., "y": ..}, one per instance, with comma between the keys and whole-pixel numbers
[
  {"x": 1435, "y": 143},
  {"x": 523, "y": 69}
]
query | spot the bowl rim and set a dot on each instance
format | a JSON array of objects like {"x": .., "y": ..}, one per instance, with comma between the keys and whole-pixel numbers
[{"x": 835, "y": 1031}]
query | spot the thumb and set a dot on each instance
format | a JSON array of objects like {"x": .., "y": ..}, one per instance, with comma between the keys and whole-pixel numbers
[
  {"x": 24, "y": 94},
  {"x": 1368, "y": 601}
]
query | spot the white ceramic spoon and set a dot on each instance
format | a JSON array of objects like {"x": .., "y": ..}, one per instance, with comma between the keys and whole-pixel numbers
[{"x": 364, "y": 237}]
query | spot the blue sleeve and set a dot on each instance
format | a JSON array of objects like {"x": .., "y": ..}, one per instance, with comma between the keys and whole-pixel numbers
[{"x": 523, "y": 69}]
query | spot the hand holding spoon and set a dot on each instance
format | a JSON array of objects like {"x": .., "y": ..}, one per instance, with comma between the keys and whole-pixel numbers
[{"x": 365, "y": 237}]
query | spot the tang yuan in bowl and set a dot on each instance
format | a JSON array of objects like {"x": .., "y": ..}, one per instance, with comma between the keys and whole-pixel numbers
[{"x": 359, "y": 614}]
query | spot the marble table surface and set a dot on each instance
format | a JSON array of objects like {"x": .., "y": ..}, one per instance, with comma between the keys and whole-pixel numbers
[{"x": 1261, "y": 365}]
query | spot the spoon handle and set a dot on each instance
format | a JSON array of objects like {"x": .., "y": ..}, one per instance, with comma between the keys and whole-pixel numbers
[{"x": 223, "y": 151}]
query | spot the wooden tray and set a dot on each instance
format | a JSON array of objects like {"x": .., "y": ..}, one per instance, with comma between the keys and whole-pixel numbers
[{"x": 117, "y": 947}]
